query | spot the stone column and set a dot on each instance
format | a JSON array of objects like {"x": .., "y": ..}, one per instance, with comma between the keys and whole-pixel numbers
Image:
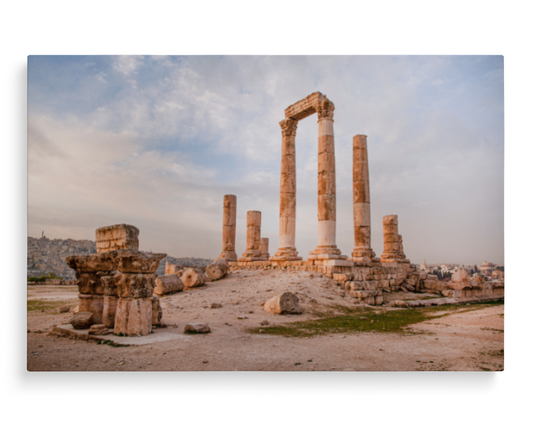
[
  {"x": 229, "y": 223},
  {"x": 361, "y": 202},
  {"x": 327, "y": 210},
  {"x": 253, "y": 237},
  {"x": 287, "y": 193},
  {"x": 391, "y": 241},
  {"x": 264, "y": 248}
]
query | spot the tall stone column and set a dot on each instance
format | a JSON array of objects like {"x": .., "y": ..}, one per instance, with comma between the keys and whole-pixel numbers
[
  {"x": 264, "y": 248},
  {"x": 391, "y": 240},
  {"x": 253, "y": 236},
  {"x": 229, "y": 224},
  {"x": 327, "y": 209},
  {"x": 287, "y": 193},
  {"x": 362, "y": 251}
]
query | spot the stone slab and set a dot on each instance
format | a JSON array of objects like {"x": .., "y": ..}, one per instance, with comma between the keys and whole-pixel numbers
[{"x": 157, "y": 336}]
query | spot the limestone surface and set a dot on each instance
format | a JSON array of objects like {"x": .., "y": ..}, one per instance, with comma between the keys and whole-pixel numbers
[
  {"x": 98, "y": 329},
  {"x": 134, "y": 316},
  {"x": 167, "y": 284},
  {"x": 93, "y": 262},
  {"x": 197, "y": 327},
  {"x": 192, "y": 278},
  {"x": 135, "y": 285},
  {"x": 93, "y": 303},
  {"x": 117, "y": 237},
  {"x": 82, "y": 320},
  {"x": 218, "y": 269},
  {"x": 137, "y": 262},
  {"x": 286, "y": 303}
]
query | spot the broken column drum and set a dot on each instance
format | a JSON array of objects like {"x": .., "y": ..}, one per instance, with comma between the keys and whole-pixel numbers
[
  {"x": 392, "y": 243},
  {"x": 362, "y": 251},
  {"x": 228, "y": 228},
  {"x": 264, "y": 248},
  {"x": 326, "y": 248},
  {"x": 253, "y": 236}
]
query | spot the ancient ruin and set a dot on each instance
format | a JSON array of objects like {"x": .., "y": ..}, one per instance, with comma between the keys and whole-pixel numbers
[
  {"x": 228, "y": 228},
  {"x": 253, "y": 238},
  {"x": 362, "y": 251},
  {"x": 116, "y": 285}
]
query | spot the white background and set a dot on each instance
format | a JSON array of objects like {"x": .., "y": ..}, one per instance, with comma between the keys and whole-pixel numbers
[{"x": 275, "y": 27}]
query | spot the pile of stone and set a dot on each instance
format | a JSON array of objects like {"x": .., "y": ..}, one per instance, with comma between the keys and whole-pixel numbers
[{"x": 116, "y": 284}]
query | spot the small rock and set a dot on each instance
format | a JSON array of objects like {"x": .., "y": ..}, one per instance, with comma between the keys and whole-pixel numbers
[
  {"x": 264, "y": 322},
  {"x": 82, "y": 320},
  {"x": 205, "y": 362},
  {"x": 197, "y": 327},
  {"x": 64, "y": 309},
  {"x": 250, "y": 312},
  {"x": 215, "y": 305},
  {"x": 261, "y": 331},
  {"x": 98, "y": 329}
]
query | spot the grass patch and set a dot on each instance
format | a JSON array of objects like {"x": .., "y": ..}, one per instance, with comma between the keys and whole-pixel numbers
[
  {"x": 44, "y": 305},
  {"x": 341, "y": 319}
]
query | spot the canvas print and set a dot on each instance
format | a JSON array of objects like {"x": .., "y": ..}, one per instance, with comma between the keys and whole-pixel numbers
[{"x": 265, "y": 213}]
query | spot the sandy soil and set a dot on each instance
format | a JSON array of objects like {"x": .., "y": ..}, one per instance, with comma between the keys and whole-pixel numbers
[{"x": 465, "y": 340}]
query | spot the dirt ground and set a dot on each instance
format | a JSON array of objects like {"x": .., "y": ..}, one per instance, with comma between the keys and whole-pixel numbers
[{"x": 467, "y": 339}]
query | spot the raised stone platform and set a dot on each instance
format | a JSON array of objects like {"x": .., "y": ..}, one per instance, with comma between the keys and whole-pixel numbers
[{"x": 157, "y": 336}]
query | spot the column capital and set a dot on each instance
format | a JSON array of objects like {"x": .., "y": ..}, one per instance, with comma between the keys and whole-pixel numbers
[
  {"x": 288, "y": 127},
  {"x": 324, "y": 109}
]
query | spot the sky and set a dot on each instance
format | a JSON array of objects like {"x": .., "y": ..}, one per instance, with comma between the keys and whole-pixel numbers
[{"x": 157, "y": 141}]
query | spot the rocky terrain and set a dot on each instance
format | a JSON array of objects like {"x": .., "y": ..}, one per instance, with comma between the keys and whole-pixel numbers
[{"x": 333, "y": 333}]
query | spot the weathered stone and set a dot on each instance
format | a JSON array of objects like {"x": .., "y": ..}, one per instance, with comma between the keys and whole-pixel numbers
[
  {"x": 264, "y": 248},
  {"x": 197, "y": 327},
  {"x": 98, "y": 329},
  {"x": 192, "y": 278},
  {"x": 137, "y": 262},
  {"x": 218, "y": 269},
  {"x": 91, "y": 282},
  {"x": 93, "y": 262},
  {"x": 117, "y": 237},
  {"x": 157, "y": 312},
  {"x": 93, "y": 303},
  {"x": 229, "y": 223},
  {"x": 109, "y": 311},
  {"x": 170, "y": 268},
  {"x": 167, "y": 284},
  {"x": 408, "y": 287},
  {"x": 133, "y": 316},
  {"x": 215, "y": 305},
  {"x": 286, "y": 303},
  {"x": 82, "y": 320},
  {"x": 138, "y": 286}
]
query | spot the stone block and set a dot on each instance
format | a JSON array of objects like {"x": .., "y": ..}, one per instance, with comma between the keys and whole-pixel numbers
[
  {"x": 286, "y": 303},
  {"x": 167, "y": 284},
  {"x": 117, "y": 237},
  {"x": 82, "y": 320},
  {"x": 133, "y": 316},
  {"x": 91, "y": 282},
  {"x": 137, "y": 262},
  {"x": 93, "y": 262},
  {"x": 109, "y": 311},
  {"x": 157, "y": 312},
  {"x": 196, "y": 278},
  {"x": 197, "y": 327},
  {"x": 93, "y": 303},
  {"x": 138, "y": 286}
]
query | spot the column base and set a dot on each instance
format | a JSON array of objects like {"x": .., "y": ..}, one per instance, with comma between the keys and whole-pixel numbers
[
  {"x": 286, "y": 253},
  {"x": 230, "y": 255},
  {"x": 326, "y": 252},
  {"x": 365, "y": 255}
]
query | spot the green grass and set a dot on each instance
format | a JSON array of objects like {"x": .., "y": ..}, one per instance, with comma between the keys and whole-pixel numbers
[
  {"x": 340, "y": 319},
  {"x": 47, "y": 306}
]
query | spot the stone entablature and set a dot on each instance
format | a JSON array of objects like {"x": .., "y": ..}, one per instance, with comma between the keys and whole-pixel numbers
[{"x": 117, "y": 237}]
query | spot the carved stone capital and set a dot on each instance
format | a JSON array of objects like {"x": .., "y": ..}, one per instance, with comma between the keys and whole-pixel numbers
[
  {"x": 288, "y": 127},
  {"x": 325, "y": 108}
]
